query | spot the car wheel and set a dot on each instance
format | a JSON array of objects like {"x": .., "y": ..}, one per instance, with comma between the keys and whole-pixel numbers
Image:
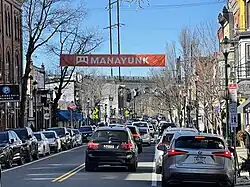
[
  {"x": 36, "y": 156},
  {"x": 158, "y": 169},
  {"x": 9, "y": 162},
  {"x": 21, "y": 161},
  {"x": 163, "y": 182},
  {"x": 132, "y": 167},
  {"x": 48, "y": 153},
  {"x": 89, "y": 166},
  {"x": 29, "y": 157}
]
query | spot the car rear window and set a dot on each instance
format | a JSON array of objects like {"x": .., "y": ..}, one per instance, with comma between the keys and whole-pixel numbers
[
  {"x": 167, "y": 138},
  {"x": 133, "y": 130},
  {"x": 113, "y": 135},
  {"x": 143, "y": 131},
  {"x": 84, "y": 129},
  {"x": 141, "y": 124},
  {"x": 199, "y": 142},
  {"x": 49, "y": 134}
]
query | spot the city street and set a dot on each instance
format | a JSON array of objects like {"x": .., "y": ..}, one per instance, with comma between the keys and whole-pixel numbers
[{"x": 67, "y": 169}]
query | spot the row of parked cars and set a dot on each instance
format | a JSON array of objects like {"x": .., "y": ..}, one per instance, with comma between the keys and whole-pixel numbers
[
  {"x": 184, "y": 155},
  {"x": 21, "y": 145}
]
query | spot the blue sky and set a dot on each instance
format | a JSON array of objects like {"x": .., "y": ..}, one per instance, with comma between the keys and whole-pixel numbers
[{"x": 147, "y": 30}]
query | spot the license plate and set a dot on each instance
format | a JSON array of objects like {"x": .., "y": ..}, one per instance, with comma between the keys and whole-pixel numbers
[
  {"x": 109, "y": 146},
  {"x": 200, "y": 160}
]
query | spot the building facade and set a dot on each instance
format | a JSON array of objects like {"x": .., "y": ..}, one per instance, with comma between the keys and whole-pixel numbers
[{"x": 10, "y": 56}]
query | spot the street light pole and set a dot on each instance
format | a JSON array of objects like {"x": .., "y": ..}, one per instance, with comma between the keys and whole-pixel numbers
[
  {"x": 197, "y": 103},
  {"x": 88, "y": 111},
  {"x": 225, "y": 50}
]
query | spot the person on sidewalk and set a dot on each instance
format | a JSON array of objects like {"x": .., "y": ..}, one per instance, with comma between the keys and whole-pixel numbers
[{"x": 247, "y": 140}]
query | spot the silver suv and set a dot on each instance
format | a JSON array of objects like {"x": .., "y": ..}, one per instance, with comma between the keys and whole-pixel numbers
[{"x": 198, "y": 158}]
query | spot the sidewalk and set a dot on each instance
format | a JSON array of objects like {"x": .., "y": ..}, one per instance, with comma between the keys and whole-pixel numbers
[{"x": 243, "y": 179}]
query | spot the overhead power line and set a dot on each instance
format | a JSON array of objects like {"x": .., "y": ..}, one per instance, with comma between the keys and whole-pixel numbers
[{"x": 170, "y": 6}]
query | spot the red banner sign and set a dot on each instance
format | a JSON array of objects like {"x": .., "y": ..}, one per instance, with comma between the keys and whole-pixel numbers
[{"x": 105, "y": 60}]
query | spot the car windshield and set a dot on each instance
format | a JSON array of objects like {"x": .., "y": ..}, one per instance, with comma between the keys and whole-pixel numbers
[
  {"x": 141, "y": 124},
  {"x": 49, "y": 134},
  {"x": 38, "y": 137},
  {"x": 59, "y": 131},
  {"x": 199, "y": 142},
  {"x": 76, "y": 131},
  {"x": 84, "y": 129},
  {"x": 22, "y": 133},
  {"x": 143, "y": 131},
  {"x": 113, "y": 135},
  {"x": 167, "y": 138},
  {"x": 132, "y": 129},
  {"x": 3, "y": 137}
]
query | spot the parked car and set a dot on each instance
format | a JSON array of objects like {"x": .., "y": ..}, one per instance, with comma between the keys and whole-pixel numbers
[
  {"x": 11, "y": 149},
  {"x": 86, "y": 132},
  {"x": 198, "y": 158},
  {"x": 164, "y": 125},
  {"x": 54, "y": 141},
  {"x": 78, "y": 137},
  {"x": 175, "y": 129},
  {"x": 63, "y": 135},
  {"x": 43, "y": 144},
  {"x": 145, "y": 136},
  {"x": 111, "y": 146},
  {"x": 141, "y": 124},
  {"x": 137, "y": 137},
  {"x": 72, "y": 137},
  {"x": 30, "y": 143}
]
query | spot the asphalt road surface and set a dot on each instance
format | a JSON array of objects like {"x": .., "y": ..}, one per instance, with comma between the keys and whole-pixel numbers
[{"x": 66, "y": 169}]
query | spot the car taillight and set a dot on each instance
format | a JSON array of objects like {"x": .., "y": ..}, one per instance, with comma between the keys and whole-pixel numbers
[
  {"x": 226, "y": 154},
  {"x": 92, "y": 145},
  {"x": 174, "y": 152},
  {"x": 127, "y": 146},
  {"x": 137, "y": 136}
]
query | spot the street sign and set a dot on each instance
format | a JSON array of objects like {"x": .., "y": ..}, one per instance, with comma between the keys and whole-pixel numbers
[
  {"x": 233, "y": 114},
  {"x": 233, "y": 108},
  {"x": 9, "y": 93},
  {"x": 232, "y": 89},
  {"x": 233, "y": 120}
]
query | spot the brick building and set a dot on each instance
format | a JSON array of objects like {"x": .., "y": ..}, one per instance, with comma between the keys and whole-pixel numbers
[{"x": 10, "y": 56}]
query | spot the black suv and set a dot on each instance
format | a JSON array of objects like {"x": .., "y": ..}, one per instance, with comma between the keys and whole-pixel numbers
[
  {"x": 11, "y": 149},
  {"x": 112, "y": 146},
  {"x": 30, "y": 143},
  {"x": 63, "y": 135}
]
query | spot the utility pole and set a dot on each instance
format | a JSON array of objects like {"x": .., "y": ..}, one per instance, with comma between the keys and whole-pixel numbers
[
  {"x": 110, "y": 34},
  {"x": 118, "y": 34}
]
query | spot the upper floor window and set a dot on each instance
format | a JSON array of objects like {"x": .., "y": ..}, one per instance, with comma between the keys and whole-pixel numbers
[
  {"x": 9, "y": 23},
  {"x": 247, "y": 61},
  {"x": 6, "y": 23}
]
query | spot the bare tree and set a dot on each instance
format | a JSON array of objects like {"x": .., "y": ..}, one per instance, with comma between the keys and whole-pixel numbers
[
  {"x": 41, "y": 21},
  {"x": 208, "y": 71},
  {"x": 72, "y": 41}
]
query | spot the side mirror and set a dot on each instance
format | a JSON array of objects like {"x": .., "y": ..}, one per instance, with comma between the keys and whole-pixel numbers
[
  {"x": 231, "y": 149},
  {"x": 67, "y": 133},
  {"x": 162, "y": 147},
  {"x": 11, "y": 141}
]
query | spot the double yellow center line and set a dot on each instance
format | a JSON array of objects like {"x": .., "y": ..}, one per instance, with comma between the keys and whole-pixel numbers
[{"x": 69, "y": 174}]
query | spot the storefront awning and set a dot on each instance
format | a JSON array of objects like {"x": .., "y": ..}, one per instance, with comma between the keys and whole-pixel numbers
[
  {"x": 242, "y": 108},
  {"x": 65, "y": 115}
]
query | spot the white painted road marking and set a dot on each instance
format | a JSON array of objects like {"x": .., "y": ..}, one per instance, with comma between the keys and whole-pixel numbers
[
  {"x": 154, "y": 176},
  {"x": 45, "y": 158}
]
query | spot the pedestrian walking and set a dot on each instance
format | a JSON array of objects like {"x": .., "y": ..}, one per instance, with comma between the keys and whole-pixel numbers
[{"x": 246, "y": 138}]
